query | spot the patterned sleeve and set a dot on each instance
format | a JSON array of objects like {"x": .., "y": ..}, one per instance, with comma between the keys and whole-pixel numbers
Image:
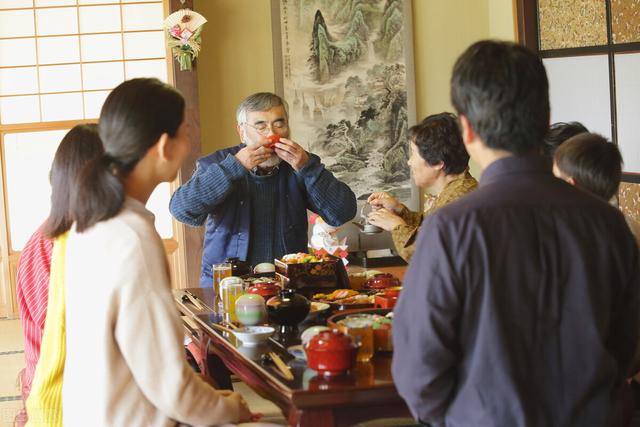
[
  {"x": 404, "y": 237},
  {"x": 205, "y": 190}
]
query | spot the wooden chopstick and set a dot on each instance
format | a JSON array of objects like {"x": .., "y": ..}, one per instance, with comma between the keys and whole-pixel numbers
[
  {"x": 220, "y": 327},
  {"x": 231, "y": 325},
  {"x": 194, "y": 300},
  {"x": 284, "y": 369}
]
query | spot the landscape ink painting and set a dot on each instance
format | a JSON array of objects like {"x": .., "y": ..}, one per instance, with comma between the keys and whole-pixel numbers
[{"x": 344, "y": 75}]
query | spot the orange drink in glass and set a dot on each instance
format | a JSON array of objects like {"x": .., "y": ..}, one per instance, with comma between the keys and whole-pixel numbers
[
  {"x": 361, "y": 330},
  {"x": 220, "y": 271},
  {"x": 230, "y": 289}
]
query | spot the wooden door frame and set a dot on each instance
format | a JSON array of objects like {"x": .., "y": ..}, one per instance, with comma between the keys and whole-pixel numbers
[{"x": 191, "y": 238}]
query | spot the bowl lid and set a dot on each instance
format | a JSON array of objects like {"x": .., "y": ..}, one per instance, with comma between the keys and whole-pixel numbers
[
  {"x": 265, "y": 286},
  {"x": 331, "y": 340},
  {"x": 250, "y": 300}
]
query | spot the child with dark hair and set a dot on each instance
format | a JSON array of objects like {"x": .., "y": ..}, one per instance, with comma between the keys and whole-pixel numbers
[
  {"x": 593, "y": 164},
  {"x": 123, "y": 333},
  {"x": 80, "y": 145},
  {"x": 558, "y": 133}
]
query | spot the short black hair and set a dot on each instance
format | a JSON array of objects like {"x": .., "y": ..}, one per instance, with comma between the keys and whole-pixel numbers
[
  {"x": 502, "y": 89},
  {"x": 438, "y": 140},
  {"x": 594, "y": 163},
  {"x": 558, "y": 133}
]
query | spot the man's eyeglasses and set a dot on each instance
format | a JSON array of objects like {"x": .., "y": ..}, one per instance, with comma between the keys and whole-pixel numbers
[{"x": 263, "y": 127}]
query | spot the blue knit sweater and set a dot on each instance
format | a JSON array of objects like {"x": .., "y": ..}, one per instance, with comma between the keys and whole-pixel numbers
[
  {"x": 218, "y": 194},
  {"x": 265, "y": 224}
]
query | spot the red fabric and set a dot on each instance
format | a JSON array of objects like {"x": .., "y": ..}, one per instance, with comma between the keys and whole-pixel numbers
[
  {"x": 32, "y": 290},
  {"x": 199, "y": 356}
]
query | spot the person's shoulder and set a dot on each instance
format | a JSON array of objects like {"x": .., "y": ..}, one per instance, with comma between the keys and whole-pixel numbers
[
  {"x": 218, "y": 156},
  {"x": 547, "y": 196},
  {"x": 37, "y": 243},
  {"x": 129, "y": 228}
]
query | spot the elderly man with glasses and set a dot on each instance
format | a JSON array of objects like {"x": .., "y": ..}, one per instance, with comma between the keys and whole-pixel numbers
[{"x": 254, "y": 196}]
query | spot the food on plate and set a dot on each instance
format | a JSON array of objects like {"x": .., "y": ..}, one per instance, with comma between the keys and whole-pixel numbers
[
  {"x": 303, "y": 258},
  {"x": 318, "y": 306},
  {"x": 263, "y": 279},
  {"x": 382, "y": 322},
  {"x": 335, "y": 295}
]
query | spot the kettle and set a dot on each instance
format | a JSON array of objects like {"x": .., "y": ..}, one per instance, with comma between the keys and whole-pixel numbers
[{"x": 363, "y": 223}]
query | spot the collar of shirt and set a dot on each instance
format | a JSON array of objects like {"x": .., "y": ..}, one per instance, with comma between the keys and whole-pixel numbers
[
  {"x": 138, "y": 206},
  {"x": 514, "y": 165},
  {"x": 258, "y": 171}
]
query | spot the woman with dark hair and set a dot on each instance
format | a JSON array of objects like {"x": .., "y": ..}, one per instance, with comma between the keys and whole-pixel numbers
[
  {"x": 439, "y": 162},
  {"x": 123, "y": 333},
  {"x": 80, "y": 145}
]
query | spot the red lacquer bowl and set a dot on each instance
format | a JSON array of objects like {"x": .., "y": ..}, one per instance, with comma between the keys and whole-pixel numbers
[
  {"x": 382, "y": 281},
  {"x": 265, "y": 289},
  {"x": 331, "y": 353}
]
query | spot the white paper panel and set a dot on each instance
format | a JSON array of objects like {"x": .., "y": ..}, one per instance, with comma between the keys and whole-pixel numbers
[
  {"x": 159, "y": 204},
  {"x": 99, "y": 19},
  {"x": 19, "y": 109},
  {"x": 142, "y": 17},
  {"x": 65, "y": 106},
  {"x": 28, "y": 159},
  {"x": 628, "y": 109},
  {"x": 136, "y": 1},
  {"x": 144, "y": 45},
  {"x": 106, "y": 75},
  {"x": 579, "y": 91},
  {"x": 151, "y": 68},
  {"x": 16, "y": 23},
  {"x": 96, "y": 1},
  {"x": 60, "y": 78},
  {"x": 17, "y": 52},
  {"x": 93, "y": 103},
  {"x": 17, "y": 81},
  {"x": 58, "y": 50},
  {"x": 102, "y": 47},
  {"x": 44, "y": 3},
  {"x": 56, "y": 21},
  {"x": 15, "y": 4}
]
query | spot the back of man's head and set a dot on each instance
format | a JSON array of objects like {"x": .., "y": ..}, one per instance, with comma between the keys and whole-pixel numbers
[
  {"x": 558, "y": 133},
  {"x": 503, "y": 91},
  {"x": 594, "y": 164}
]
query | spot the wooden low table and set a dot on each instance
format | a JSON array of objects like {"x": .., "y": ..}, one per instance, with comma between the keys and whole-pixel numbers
[{"x": 366, "y": 393}]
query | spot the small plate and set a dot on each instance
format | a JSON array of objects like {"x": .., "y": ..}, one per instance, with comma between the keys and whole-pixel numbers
[
  {"x": 297, "y": 351},
  {"x": 317, "y": 307}
]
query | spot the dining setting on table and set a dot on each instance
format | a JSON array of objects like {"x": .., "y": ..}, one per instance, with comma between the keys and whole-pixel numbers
[{"x": 304, "y": 333}]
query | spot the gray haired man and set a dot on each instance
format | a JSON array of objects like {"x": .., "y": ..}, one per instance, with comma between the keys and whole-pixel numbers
[{"x": 254, "y": 196}]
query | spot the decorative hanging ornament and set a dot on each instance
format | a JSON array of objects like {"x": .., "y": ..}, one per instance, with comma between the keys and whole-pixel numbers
[{"x": 183, "y": 30}]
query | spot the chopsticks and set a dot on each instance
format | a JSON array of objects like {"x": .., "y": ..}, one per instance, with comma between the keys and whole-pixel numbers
[
  {"x": 284, "y": 369},
  {"x": 194, "y": 300},
  {"x": 220, "y": 327}
]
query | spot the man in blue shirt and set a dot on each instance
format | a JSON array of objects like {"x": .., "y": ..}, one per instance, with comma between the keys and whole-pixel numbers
[
  {"x": 254, "y": 196},
  {"x": 521, "y": 303}
]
